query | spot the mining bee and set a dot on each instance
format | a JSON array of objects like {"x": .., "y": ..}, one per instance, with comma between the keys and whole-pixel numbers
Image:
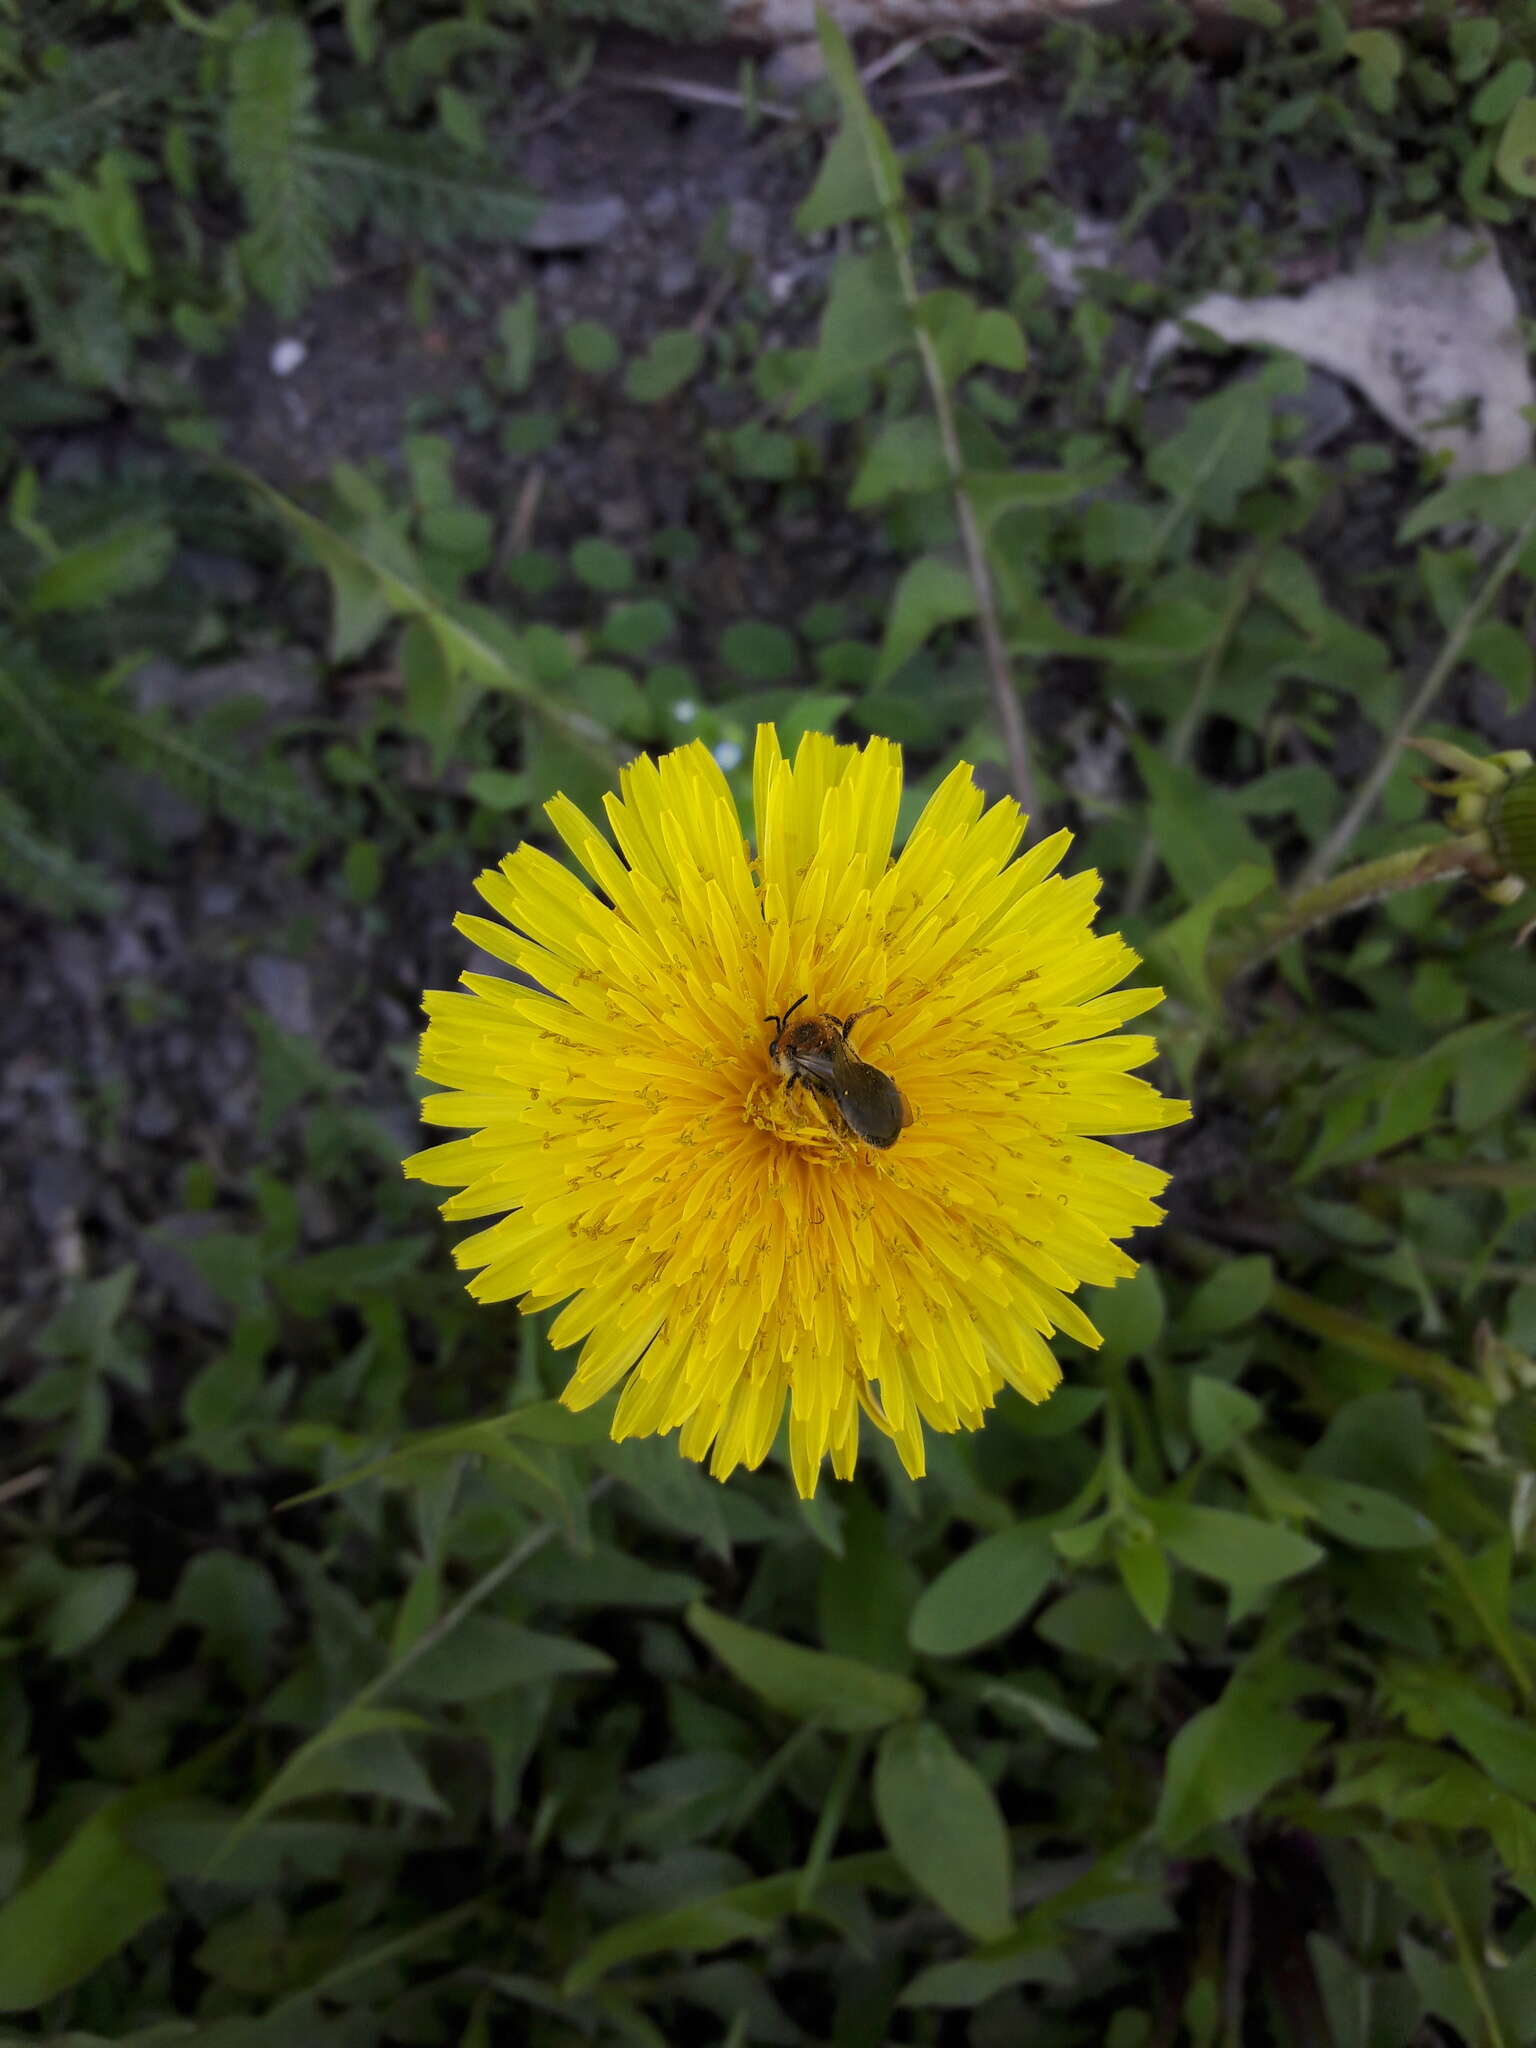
[{"x": 816, "y": 1053}]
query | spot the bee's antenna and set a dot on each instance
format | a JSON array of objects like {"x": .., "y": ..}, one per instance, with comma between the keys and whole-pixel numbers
[{"x": 782, "y": 1021}]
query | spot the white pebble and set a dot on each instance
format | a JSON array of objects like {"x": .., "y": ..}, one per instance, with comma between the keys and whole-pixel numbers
[{"x": 287, "y": 356}]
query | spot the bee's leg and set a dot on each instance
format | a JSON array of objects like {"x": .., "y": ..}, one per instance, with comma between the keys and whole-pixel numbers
[{"x": 846, "y": 1024}]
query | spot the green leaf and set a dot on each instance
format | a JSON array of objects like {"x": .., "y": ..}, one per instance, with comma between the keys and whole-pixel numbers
[
  {"x": 1474, "y": 45},
  {"x": 612, "y": 696},
  {"x": 1229, "y": 1758},
  {"x": 932, "y": 593},
  {"x": 865, "y": 1596},
  {"x": 542, "y": 1421},
  {"x": 517, "y": 326},
  {"x": 372, "y": 1761},
  {"x": 1170, "y": 629},
  {"x": 943, "y": 1825},
  {"x": 324, "y": 1280},
  {"x": 1364, "y": 1515},
  {"x": 1515, "y": 157},
  {"x": 1220, "y": 1414},
  {"x": 999, "y": 340},
  {"x": 1202, "y": 837},
  {"x": 745, "y": 1913},
  {"x": 673, "y": 358},
  {"x": 836, "y": 1692},
  {"x": 1504, "y": 1746},
  {"x": 86, "y": 1607},
  {"x": 1144, "y": 1572},
  {"x": 845, "y": 187},
  {"x": 1239, "y": 1550},
  {"x": 269, "y": 125},
  {"x": 1235, "y": 1294},
  {"x": 994, "y": 493},
  {"x": 602, "y": 566},
  {"x": 1498, "y": 648},
  {"x": 638, "y": 628},
  {"x": 1129, "y": 1316},
  {"x": 1060, "y": 1724},
  {"x": 1505, "y": 501},
  {"x": 474, "y": 642},
  {"x": 759, "y": 651},
  {"x": 1498, "y": 98},
  {"x": 971, "y": 1980},
  {"x": 485, "y": 1655},
  {"x": 234, "y": 1601},
  {"x": 865, "y": 323},
  {"x": 591, "y": 348},
  {"x": 1222, "y": 451},
  {"x": 1180, "y": 951},
  {"x": 99, "y": 571},
  {"x": 88, "y": 1903},
  {"x": 880, "y": 158},
  {"x": 907, "y": 455},
  {"x": 984, "y": 1594},
  {"x": 1101, "y": 1622}
]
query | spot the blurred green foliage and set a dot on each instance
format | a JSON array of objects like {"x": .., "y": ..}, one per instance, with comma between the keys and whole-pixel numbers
[{"x": 355, "y": 1692}]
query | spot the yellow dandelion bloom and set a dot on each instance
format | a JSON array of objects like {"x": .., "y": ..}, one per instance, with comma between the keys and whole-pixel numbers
[{"x": 722, "y": 1239}]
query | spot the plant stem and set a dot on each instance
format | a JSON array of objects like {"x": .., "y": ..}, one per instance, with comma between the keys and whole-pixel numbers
[
  {"x": 1361, "y": 804},
  {"x": 1466, "y": 1954},
  {"x": 1355, "y": 1334},
  {"x": 1467, "y": 854},
  {"x": 1181, "y": 738},
  {"x": 1451, "y": 1173},
  {"x": 1500, "y": 1637},
  {"x": 1005, "y": 695}
]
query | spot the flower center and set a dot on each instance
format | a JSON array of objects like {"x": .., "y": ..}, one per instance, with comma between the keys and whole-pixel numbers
[{"x": 798, "y": 1118}]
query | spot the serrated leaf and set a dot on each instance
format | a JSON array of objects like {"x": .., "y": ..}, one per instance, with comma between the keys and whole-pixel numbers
[
  {"x": 99, "y": 571},
  {"x": 1228, "y": 1758},
  {"x": 1203, "y": 839},
  {"x": 269, "y": 116}
]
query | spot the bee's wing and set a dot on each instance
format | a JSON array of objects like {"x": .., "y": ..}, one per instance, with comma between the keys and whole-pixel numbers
[
  {"x": 845, "y": 1070},
  {"x": 872, "y": 1105},
  {"x": 826, "y": 1067}
]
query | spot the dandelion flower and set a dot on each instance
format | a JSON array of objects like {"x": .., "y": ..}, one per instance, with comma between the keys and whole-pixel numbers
[{"x": 722, "y": 1241}]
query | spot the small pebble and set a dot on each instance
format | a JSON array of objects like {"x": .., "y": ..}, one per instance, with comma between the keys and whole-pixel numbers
[{"x": 287, "y": 355}]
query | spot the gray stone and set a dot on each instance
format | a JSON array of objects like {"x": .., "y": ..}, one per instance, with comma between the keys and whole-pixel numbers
[
  {"x": 284, "y": 680},
  {"x": 574, "y": 223},
  {"x": 282, "y": 987}
]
